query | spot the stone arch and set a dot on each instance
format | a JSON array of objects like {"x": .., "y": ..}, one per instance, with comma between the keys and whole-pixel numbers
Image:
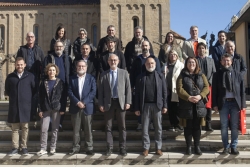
[
  {"x": 112, "y": 7},
  {"x": 152, "y": 6},
  {"x": 129, "y": 7},
  {"x": 16, "y": 16},
  {"x": 136, "y": 7},
  {"x": 31, "y": 15},
  {"x": 2, "y": 16}
]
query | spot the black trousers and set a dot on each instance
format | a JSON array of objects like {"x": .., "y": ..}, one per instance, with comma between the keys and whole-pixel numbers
[
  {"x": 193, "y": 129},
  {"x": 115, "y": 109},
  {"x": 172, "y": 111},
  {"x": 208, "y": 116}
]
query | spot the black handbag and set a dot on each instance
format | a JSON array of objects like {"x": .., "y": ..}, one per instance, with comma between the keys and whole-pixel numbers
[{"x": 205, "y": 100}]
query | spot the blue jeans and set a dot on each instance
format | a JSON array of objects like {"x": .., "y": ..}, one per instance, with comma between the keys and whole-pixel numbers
[{"x": 229, "y": 108}]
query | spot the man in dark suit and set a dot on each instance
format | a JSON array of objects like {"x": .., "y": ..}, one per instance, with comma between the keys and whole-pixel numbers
[
  {"x": 238, "y": 63},
  {"x": 90, "y": 59},
  {"x": 228, "y": 99},
  {"x": 219, "y": 48},
  {"x": 111, "y": 43},
  {"x": 150, "y": 103},
  {"x": 114, "y": 97},
  {"x": 82, "y": 90}
]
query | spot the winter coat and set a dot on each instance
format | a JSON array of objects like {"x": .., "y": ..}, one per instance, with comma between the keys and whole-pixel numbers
[
  {"x": 185, "y": 88},
  {"x": 20, "y": 92}
]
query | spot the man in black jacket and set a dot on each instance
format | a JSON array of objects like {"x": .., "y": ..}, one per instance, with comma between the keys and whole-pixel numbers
[
  {"x": 102, "y": 47},
  {"x": 64, "y": 63},
  {"x": 33, "y": 56},
  {"x": 238, "y": 63},
  {"x": 20, "y": 87},
  {"x": 150, "y": 103},
  {"x": 89, "y": 58},
  {"x": 133, "y": 48},
  {"x": 111, "y": 44},
  {"x": 228, "y": 98}
]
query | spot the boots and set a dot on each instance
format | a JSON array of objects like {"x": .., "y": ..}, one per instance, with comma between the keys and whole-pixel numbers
[
  {"x": 188, "y": 138},
  {"x": 197, "y": 137},
  {"x": 208, "y": 120},
  {"x": 197, "y": 150}
]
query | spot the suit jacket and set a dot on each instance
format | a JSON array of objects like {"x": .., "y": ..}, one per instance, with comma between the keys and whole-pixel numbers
[
  {"x": 92, "y": 65},
  {"x": 88, "y": 94},
  {"x": 219, "y": 92},
  {"x": 188, "y": 48},
  {"x": 217, "y": 52},
  {"x": 161, "y": 88},
  {"x": 210, "y": 69},
  {"x": 239, "y": 64},
  {"x": 104, "y": 66},
  {"x": 123, "y": 87}
]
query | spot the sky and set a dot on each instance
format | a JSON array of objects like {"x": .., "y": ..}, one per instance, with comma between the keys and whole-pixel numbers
[{"x": 209, "y": 15}]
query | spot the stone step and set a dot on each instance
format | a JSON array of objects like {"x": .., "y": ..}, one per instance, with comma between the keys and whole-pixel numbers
[
  {"x": 130, "y": 124},
  {"x": 34, "y": 135},
  {"x": 168, "y": 159},
  {"x": 177, "y": 145}
]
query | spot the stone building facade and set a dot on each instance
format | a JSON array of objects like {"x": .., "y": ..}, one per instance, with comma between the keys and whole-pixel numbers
[{"x": 43, "y": 17}]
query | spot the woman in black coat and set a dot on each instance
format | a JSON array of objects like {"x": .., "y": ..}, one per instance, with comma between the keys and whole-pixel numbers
[
  {"x": 61, "y": 36},
  {"x": 51, "y": 107},
  {"x": 192, "y": 87}
]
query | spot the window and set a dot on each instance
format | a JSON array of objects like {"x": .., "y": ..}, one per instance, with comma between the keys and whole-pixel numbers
[
  {"x": 35, "y": 30},
  {"x": 135, "y": 22},
  {"x": 94, "y": 35},
  {"x": 2, "y": 38}
]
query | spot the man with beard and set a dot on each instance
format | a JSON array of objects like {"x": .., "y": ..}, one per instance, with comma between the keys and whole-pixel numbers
[
  {"x": 151, "y": 103},
  {"x": 82, "y": 90},
  {"x": 228, "y": 99},
  {"x": 20, "y": 87},
  {"x": 138, "y": 67},
  {"x": 64, "y": 63},
  {"x": 134, "y": 47},
  {"x": 114, "y": 98}
]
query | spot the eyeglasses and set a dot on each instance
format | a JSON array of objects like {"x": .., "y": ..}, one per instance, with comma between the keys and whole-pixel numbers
[
  {"x": 30, "y": 36},
  {"x": 58, "y": 46}
]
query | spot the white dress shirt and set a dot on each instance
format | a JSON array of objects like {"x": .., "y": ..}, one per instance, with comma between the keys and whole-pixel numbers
[{"x": 81, "y": 80}]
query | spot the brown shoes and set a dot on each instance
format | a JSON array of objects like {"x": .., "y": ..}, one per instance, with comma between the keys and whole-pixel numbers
[
  {"x": 145, "y": 153},
  {"x": 159, "y": 152}
]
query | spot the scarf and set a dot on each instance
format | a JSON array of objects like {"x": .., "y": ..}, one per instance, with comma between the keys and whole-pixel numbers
[
  {"x": 83, "y": 41},
  {"x": 227, "y": 79}
]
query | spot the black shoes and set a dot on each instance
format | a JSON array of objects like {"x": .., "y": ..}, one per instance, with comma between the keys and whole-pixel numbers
[
  {"x": 109, "y": 152},
  {"x": 209, "y": 128},
  {"x": 178, "y": 128},
  {"x": 25, "y": 151},
  {"x": 123, "y": 152},
  {"x": 188, "y": 150},
  {"x": 234, "y": 151},
  {"x": 197, "y": 150},
  {"x": 225, "y": 151},
  {"x": 90, "y": 152}
]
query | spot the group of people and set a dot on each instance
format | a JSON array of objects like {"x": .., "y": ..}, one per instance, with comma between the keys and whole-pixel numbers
[{"x": 183, "y": 82}]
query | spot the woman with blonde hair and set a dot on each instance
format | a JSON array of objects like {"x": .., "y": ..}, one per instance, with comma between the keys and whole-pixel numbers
[{"x": 171, "y": 70}]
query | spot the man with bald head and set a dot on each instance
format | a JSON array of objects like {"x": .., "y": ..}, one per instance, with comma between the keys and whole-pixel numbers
[
  {"x": 114, "y": 98},
  {"x": 151, "y": 103},
  {"x": 238, "y": 63},
  {"x": 33, "y": 56},
  {"x": 138, "y": 67}
]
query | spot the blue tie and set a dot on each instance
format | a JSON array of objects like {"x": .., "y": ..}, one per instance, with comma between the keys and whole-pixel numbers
[{"x": 113, "y": 85}]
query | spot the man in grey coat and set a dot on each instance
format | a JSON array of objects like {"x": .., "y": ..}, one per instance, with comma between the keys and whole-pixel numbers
[{"x": 114, "y": 97}]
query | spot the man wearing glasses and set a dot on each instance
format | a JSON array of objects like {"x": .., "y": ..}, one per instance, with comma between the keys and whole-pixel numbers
[{"x": 33, "y": 56}]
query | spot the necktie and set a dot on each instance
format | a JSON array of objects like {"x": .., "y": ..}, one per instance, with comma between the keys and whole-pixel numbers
[{"x": 113, "y": 86}]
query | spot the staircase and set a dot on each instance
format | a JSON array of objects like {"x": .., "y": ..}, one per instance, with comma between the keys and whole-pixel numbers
[{"x": 173, "y": 145}]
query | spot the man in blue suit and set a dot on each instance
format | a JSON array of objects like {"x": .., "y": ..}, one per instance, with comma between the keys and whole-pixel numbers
[{"x": 81, "y": 91}]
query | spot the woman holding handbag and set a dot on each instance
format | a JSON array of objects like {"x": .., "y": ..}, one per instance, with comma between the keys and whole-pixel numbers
[{"x": 192, "y": 87}]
